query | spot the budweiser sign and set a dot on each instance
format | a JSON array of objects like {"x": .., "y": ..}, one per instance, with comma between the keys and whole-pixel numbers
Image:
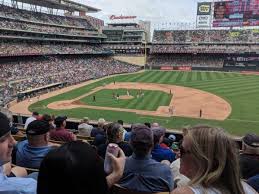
[{"x": 121, "y": 17}]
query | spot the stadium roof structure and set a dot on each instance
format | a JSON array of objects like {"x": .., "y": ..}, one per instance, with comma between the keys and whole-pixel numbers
[{"x": 61, "y": 4}]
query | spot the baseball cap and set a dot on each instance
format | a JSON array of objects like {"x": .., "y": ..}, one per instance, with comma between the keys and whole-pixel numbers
[
  {"x": 141, "y": 134},
  {"x": 172, "y": 137},
  {"x": 174, "y": 146},
  {"x": 60, "y": 119},
  {"x": 4, "y": 124},
  {"x": 251, "y": 140},
  {"x": 37, "y": 127}
]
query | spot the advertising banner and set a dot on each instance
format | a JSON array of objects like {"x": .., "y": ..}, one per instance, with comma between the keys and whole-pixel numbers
[
  {"x": 236, "y": 13},
  {"x": 203, "y": 14}
]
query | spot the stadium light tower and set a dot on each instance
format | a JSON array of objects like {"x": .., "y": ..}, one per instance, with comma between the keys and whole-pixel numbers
[{"x": 145, "y": 50}]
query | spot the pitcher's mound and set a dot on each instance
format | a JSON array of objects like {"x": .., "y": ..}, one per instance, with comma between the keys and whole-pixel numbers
[{"x": 126, "y": 97}]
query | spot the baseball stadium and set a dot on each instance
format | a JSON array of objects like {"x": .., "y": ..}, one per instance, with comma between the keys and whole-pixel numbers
[{"x": 61, "y": 64}]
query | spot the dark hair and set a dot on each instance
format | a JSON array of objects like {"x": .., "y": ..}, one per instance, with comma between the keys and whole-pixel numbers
[
  {"x": 112, "y": 131},
  {"x": 141, "y": 140},
  {"x": 120, "y": 122},
  {"x": 167, "y": 142},
  {"x": 147, "y": 124},
  {"x": 35, "y": 113},
  {"x": 47, "y": 117},
  {"x": 74, "y": 167}
]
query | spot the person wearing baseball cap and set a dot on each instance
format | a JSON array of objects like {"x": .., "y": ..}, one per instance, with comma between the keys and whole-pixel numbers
[
  {"x": 29, "y": 153},
  {"x": 159, "y": 153},
  {"x": 61, "y": 133},
  {"x": 11, "y": 185},
  {"x": 141, "y": 172},
  {"x": 249, "y": 159}
]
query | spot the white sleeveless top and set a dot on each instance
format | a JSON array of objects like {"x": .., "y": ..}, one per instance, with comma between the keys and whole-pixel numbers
[{"x": 201, "y": 190}]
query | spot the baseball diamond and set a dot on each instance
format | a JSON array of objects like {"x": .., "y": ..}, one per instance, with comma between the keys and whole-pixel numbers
[{"x": 230, "y": 101}]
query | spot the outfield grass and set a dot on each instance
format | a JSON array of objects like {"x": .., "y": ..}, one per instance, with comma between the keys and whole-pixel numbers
[
  {"x": 241, "y": 91},
  {"x": 105, "y": 98}
]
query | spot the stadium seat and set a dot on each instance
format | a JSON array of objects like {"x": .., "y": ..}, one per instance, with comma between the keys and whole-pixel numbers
[
  {"x": 117, "y": 189},
  {"x": 19, "y": 137},
  {"x": 57, "y": 142},
  {"x": 88, "y": 138}
]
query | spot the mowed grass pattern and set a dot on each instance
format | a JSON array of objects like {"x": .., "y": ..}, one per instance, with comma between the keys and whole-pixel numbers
[
  {"x": 150, "y": 100},
  {"x": 241, "y": 91}
]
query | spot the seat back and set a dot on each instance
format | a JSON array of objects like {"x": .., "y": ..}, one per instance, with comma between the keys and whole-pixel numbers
[
  {"x": 57, "y": 142},
  {"x": 117, "y": 189},
  {"x": 85, "y": 138},
  {"x": 19, "y": 137}
]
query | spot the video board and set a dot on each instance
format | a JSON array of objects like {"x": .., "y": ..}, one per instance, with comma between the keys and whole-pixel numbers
[{"x": 236, "y": 13}]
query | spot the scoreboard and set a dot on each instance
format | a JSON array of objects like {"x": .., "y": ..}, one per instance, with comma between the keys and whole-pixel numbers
[{"x": 236, "y": 13}]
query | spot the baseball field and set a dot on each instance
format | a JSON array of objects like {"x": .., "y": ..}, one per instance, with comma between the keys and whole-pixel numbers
[{"x": 173, "y": 99}]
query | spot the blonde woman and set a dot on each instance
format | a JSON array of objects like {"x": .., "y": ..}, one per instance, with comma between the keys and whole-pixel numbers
[{"x": 210, "y": 159}]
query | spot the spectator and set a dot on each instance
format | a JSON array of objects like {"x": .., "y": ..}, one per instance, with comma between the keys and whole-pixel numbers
[
  {"x": 50, "y": 120},
  {"x": 249, "y": 159},
  {"x": 147, "y": 124},
  {"x": 142, "y": 173},
  {"x": 34, "y": 116},
  {"x": 115, "y": 135},
  {"x": 13, "y": 185},
  {"x": 124, "y": 130},
  {"x": 159, "y": 153},
  {"x": 154, "y": 125},
  {"x": 99, "y": 129},
  {"x": 31, "y": 152},
  {"x": 61, "y": 133},
  {"x": 209, "y": 159},
  {"x": 179, "y": 179},
  {"x": 75, "y": 167},
  {"x": 85, "y": 128}
]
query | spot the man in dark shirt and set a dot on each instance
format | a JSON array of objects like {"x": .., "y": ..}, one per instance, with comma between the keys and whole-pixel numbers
[
  {"x": 141, "y": 172},
  {"x": 115, "y": 135},
  {"x": 249, "y": 159}
]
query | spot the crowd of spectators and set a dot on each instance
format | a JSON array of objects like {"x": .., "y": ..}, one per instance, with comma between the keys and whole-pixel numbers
[
  {"x": 17, "y": 19},
  {"x": 26, "y": 48},
  {"x": 211, "y": 48},
  {"x": 34, "y": 27},
  {"x": 37, "y": 17},
  {"x": 183, "y": 60},
  {"x": 204, "y": 159},
  {"x": 34, "y": 73},
  {"x": 206, "y": 36}
]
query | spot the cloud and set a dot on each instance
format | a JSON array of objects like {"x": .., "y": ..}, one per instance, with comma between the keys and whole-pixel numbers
[{"x": 156, "y": 11}]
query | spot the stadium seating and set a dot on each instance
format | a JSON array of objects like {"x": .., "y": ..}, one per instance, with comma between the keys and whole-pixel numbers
[
  {"x": 205, "y": 36},
  {"x": 24, "y": 15},
  {"x": 19, "y": 137},
  {"x": 41, "y": 71},
  {"x": 186, "y": 60}
]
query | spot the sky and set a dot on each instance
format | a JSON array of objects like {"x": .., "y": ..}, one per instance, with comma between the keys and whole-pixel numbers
[{"x": 156, "y": 11}]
